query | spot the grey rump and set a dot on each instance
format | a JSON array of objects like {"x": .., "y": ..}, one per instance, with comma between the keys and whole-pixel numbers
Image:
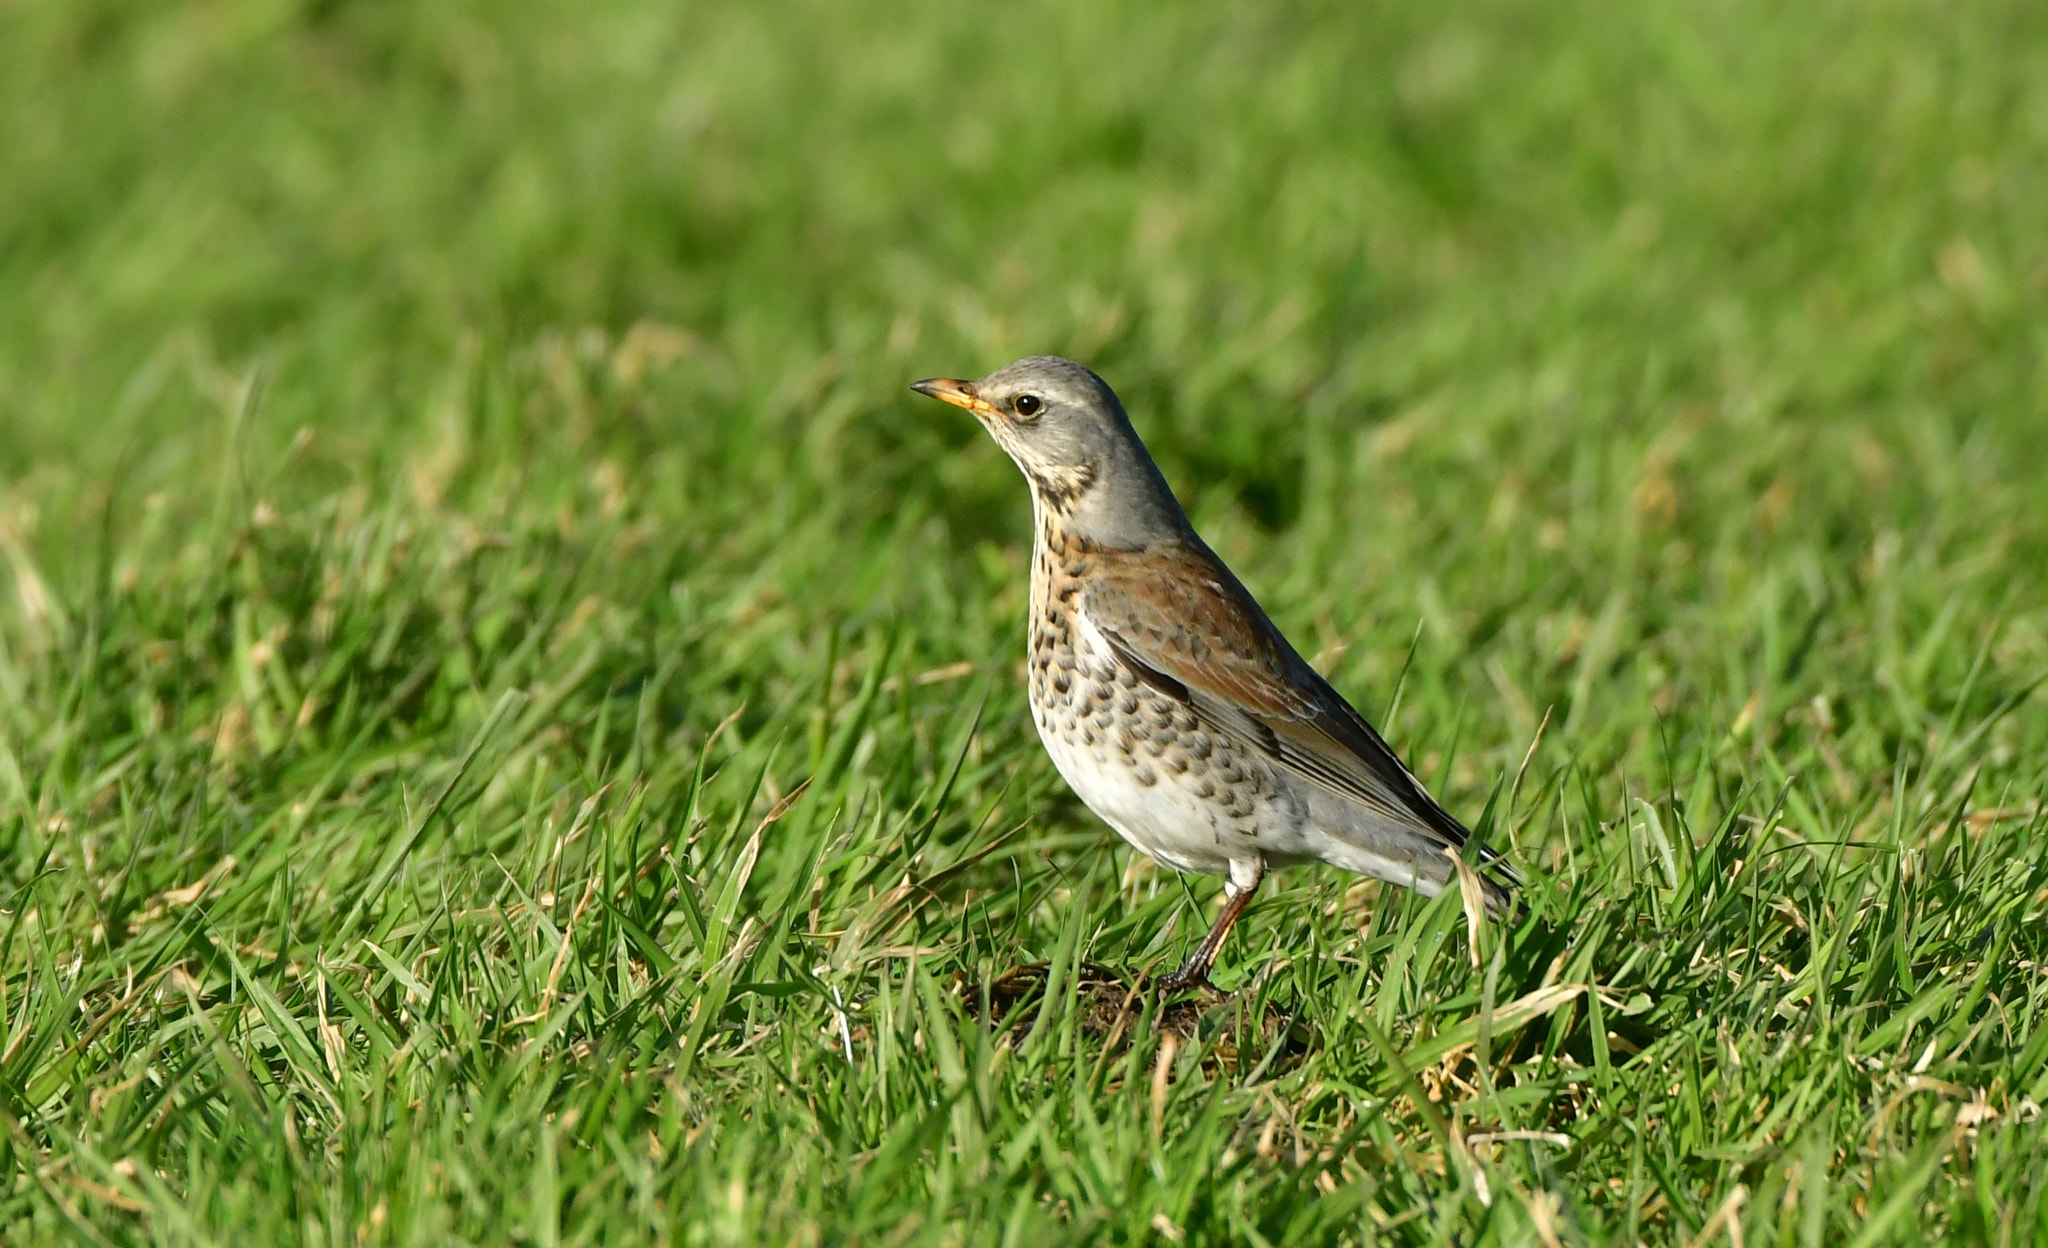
[{"x": 1168, "y": 701}]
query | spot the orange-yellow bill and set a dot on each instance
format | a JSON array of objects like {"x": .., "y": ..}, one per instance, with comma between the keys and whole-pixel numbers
[{"x": 958, "y": 393}]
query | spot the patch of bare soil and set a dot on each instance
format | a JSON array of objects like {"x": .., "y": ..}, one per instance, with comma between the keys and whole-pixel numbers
[{"x": 1112, "y": 1002}]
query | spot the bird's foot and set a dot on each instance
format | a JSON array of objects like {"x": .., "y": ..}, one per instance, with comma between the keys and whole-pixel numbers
[{"x": 1189, "y": 978}]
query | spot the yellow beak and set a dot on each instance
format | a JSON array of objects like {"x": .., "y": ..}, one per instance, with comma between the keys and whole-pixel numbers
[{"x": 958, "y": 393}]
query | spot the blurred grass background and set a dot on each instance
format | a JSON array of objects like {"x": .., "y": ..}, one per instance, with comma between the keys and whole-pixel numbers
[{"x": 422, "y": 427}]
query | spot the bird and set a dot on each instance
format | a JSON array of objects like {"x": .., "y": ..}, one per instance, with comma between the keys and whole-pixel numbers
[{"x": 1165, "y": 696}]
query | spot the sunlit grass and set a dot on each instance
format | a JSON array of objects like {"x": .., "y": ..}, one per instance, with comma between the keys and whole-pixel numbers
[{"x": 510, "y": 724}]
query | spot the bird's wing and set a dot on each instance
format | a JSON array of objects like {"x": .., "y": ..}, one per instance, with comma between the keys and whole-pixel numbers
[{"x": 1179, "y": 619}]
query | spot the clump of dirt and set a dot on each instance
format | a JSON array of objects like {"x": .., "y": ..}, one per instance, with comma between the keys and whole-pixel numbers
[{"x": 1111, "y": 1003}]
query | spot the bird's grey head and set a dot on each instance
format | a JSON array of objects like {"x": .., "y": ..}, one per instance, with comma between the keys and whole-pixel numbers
[{"x": 1068, "y": 433}]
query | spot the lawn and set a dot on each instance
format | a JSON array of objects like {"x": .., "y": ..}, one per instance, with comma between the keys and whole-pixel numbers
[{"x": 511, "y": 725}]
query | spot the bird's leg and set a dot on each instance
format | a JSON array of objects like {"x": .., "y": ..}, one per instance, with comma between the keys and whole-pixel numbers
[{"x": 1237, "y": 898}]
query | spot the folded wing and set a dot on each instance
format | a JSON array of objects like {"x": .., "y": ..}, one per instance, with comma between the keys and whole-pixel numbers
[{"x": 1195, "y": 633}]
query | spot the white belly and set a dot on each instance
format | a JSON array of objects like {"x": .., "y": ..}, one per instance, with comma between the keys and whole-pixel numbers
[{"x": 1163, "y": 821}]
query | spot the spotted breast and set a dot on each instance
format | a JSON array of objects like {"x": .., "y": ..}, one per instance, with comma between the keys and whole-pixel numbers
[{"x": 1193, "y": 799}]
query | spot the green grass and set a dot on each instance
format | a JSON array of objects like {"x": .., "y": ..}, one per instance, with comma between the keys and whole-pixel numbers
[{"x": 509, "y": 712}]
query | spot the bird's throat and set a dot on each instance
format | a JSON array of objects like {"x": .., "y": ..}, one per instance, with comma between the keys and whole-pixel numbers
[{"x": 1060, "y": 489}]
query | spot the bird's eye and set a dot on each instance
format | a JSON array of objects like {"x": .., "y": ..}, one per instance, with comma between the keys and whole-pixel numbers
[{"x": 1028, "y": 405}]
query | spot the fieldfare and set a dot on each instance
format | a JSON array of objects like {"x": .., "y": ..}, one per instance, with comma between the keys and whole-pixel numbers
[{"x": 1167, "y": 699}]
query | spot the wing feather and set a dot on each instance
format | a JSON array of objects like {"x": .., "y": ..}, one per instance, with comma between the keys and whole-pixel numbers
[{"x": 1190, "y": 630}]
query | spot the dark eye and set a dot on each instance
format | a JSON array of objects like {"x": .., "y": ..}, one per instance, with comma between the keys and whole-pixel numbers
[{"x": 1028, "y": 405}]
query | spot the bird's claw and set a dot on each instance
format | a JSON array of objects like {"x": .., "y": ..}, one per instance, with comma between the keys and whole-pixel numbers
[{"x": 1188, "y": 979}]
